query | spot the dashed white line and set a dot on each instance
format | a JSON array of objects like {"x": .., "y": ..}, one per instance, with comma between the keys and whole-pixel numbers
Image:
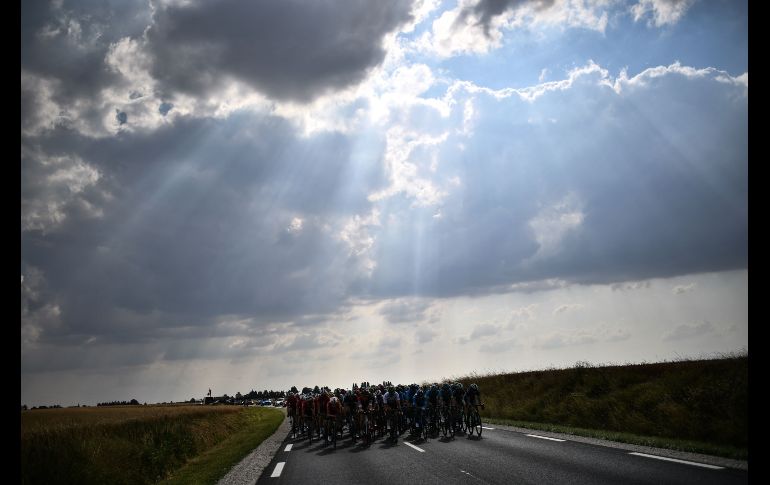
[
  {"x": 544, "y": 437},
  {"x": 415, "y": 447},
  {"x": 288, "y": 447},
  {"x": 485, "y": 427},
  {"x": 713, "y": 467},
  {"x": 278, "y": 469}
]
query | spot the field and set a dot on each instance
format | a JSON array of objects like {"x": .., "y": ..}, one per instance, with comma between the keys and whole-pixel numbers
[
  {"x": 138, "y": 444},
  {"x": 693, "y": 405}
]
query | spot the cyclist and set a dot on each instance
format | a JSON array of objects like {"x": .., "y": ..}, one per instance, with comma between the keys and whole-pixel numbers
[
  {"x": 349, "y": 404},
  {"x": 472, "y": 397},
  {"x": 333, "y": 409},
  {"x": 291, "y": 406},
  {"x": 433, "y": 396},
  {"x": 393, "y": 402},
  {"x": 420, "y": 405}
]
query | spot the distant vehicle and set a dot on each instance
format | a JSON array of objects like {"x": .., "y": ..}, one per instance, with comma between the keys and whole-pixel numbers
[
  {"x": 279, "y": 403},
  {"x": 266, "y": 402}
]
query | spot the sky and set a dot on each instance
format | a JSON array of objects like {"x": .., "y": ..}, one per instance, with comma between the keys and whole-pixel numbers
[{"x": 254, "y": 195}]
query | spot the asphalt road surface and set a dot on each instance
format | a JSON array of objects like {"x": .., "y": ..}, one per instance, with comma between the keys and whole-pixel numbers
[{"x": 498, "y": 457}]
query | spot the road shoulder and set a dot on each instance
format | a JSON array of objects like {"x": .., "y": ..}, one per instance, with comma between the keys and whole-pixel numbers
[{"x": 248, "y": 471}]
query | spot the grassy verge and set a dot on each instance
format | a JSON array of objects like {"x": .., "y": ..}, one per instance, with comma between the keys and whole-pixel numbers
[
  {"x": 213, "y": 464},
  {"x": 690, "y": 405},
  {"x": 137, "y": 446},
  {"x": 725, "y": 451}
]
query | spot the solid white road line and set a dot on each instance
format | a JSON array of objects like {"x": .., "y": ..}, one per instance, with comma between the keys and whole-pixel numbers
[
  {"x": 288, "y": 447},
  {"x": 487, "y": 427},
  {"x": 415, "y": 447},
  {"x": 713, "y": 467},
  {"x": 278, "y": 469},
  {"x": 544, "y": 437}
]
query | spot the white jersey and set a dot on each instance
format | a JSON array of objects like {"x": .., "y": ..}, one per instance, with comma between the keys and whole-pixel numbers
[{"x": 391, "y": 395}]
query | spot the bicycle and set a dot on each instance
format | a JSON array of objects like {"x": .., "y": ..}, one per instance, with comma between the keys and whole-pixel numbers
[
  {"x": 474, "y": 420},
  {"x": 331, "y": 431},
  {"x": 447, "y": 425},
  {"x": 392, "y": 422}
]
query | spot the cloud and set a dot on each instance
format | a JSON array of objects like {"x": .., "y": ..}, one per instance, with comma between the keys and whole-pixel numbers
[
  {"x": 567, "y": 307},
  {"x": 551, "y": 221},
  {"x": 522, "y": 313},
  {"x": 480, "y": 331},
  {"x": 679, "y": 289},
  {"x": 689, "y": 331},
  {"x": 55, "y": 188},
  {"x": 425, "y": 335},
  {"x": 498, "y": 346},
  {"x": 476, "y": 26},
  {"x": 405, "y": 311},
  {"x": 636, "y": 285},
  {"x": 288, "y": 50},
  {"x": 583, "y": 336},
  {"x": 661, "y": 12},
  {"x": 181, "y": 218}
]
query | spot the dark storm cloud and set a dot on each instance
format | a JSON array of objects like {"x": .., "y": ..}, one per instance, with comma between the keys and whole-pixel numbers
[
  {"x": 486, "y": 10},
  {"x": 197, "y": 225},
  {"x": 68, "y": 43},
  {"x": 290, "y": 49}
]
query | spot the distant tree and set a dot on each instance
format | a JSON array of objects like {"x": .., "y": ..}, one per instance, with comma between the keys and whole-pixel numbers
[
  {"x": 192, "y": 399},
  {"x": 238, "y": 396},
  {"x": 134, "y": 401},
  {"x": 23, "y": 407}
]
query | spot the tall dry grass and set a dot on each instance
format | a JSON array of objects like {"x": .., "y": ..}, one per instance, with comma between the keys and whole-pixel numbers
[
  {"x": 117, "y": 445},
  {"x": 702, "y": 400}
]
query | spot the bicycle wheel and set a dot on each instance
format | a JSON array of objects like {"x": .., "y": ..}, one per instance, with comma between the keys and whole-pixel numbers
[
  {"x": 424, "y": 429},
  {"x": 477, "y": 422},
  {"x": 334, "y": 434},
  {"x": 451, "y": 423}
]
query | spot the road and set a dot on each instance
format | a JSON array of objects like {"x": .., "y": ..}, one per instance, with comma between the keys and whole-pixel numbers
[{"x": 498, "y": 457}]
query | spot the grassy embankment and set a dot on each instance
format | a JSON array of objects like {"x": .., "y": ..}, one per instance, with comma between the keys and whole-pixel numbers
[
  {"x": 696, "y": 405},
  {"x": 139, "y": 444}
]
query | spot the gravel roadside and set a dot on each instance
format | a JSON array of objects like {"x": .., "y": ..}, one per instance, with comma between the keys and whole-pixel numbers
[{"x": 247, "y": 472}]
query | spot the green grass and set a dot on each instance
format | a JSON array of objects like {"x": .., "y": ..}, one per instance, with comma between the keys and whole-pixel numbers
[
  {"x": 693, "y": 405},
  {"x": 213, "y": 464},
  {"x": 132, "y": 446}
]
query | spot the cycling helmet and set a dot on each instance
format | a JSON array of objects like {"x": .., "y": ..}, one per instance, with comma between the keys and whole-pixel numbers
[
  {"x": 293, "y": 389},
  {"x": 419, "y": 392},
  {"x": 474, "y": 387},
  {"x": 316, "y": 390},
  {"x": 391, "y": 389}
]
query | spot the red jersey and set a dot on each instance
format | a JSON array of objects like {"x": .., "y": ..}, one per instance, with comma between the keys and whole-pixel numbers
[{"x": 332, "y": 407}]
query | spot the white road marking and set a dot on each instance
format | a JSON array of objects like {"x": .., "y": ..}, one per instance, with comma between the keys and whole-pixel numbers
[
  {"x": 544, "y": 437},
  {"x": 487, "y": 427},
  {"x": 713, "y": 467},
  {"x": 415, "y": 447},
  {"x": 288, "y": 447},
  {"x": 278, "y": 470}
]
